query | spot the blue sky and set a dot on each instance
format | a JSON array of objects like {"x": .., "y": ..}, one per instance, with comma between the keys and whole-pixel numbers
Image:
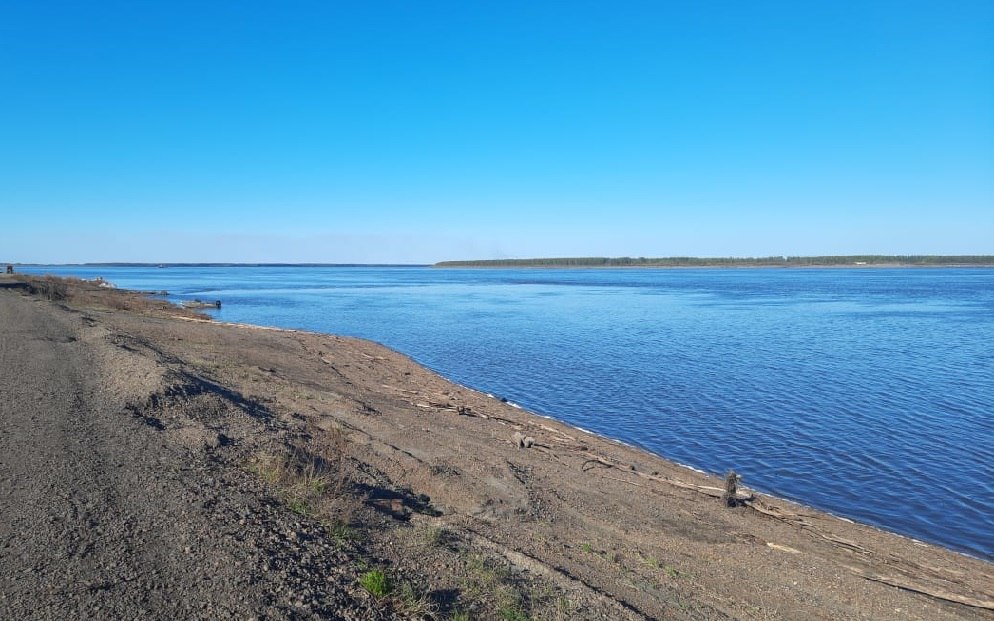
[{"x": 423, "y": 131}]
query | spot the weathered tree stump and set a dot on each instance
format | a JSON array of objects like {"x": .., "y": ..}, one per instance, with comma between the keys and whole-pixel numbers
[{"x": 729, "y": 497}]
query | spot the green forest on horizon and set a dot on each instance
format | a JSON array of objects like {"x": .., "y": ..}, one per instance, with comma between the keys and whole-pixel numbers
[{"x": 778, "y": 261}]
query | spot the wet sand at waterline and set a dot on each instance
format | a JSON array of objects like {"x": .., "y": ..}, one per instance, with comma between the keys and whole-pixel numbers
[{"x": 156, "y": 464}]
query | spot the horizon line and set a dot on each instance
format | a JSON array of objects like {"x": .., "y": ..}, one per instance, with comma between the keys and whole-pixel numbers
[{"x": 639, "y": 259}]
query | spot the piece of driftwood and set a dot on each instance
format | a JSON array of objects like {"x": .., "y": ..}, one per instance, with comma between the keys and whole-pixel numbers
[
  {"x": 713, "y": 492},
  {"x": 620, "y": 480},
  {"x": 910, "y": 585},
  {"x": 798, "y": 520},
  {"x": 201, "y": 304}
]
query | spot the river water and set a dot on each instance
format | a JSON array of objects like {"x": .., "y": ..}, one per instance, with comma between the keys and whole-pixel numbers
[{"x": 865, "y": 392}]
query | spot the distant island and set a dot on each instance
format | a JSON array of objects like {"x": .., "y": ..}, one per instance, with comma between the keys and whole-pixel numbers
[{"x": 781, "y": 261}]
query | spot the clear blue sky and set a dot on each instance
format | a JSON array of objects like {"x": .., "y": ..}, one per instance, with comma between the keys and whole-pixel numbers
[{"x": 422, "y": 131}]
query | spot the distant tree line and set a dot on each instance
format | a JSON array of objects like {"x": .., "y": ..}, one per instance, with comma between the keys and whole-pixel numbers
[{"x": 870, "y": 259}]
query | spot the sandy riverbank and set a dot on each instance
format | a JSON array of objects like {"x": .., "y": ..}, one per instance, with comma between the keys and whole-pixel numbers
[{"x": 151, "y": 461}]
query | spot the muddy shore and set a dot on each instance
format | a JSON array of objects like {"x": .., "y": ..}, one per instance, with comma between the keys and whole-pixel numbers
[{"x": 154, "y": 464}]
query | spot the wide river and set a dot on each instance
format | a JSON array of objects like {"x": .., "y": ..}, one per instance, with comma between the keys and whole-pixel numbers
[{"x": 865, "y": 392}]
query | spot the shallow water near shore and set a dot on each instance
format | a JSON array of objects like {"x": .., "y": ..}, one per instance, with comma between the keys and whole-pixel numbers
[{"x": 866, "y": 392}]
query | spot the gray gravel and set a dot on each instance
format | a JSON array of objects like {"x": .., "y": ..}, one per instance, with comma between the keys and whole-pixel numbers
[{"x": 102, "y": 516}]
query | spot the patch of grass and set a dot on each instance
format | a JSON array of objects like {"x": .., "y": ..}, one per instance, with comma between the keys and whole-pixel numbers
[
  {"x": 300, "y": 506},
  {"x": 669, "y": 570},
  {"x": 494, "y": 589},
  {"x": 305, "y": 480},
  {"x": 269, "y": 468},
  {"x": 564, "y": 608},
  {"x": 376, "y": 582},
  {"x": 586, "y": 547},
  {"x": 460, "y": 615},
  {"x": 549, "y": 604},
  {"x": 672, "y": 572},
  {"x": 436, "y": 537},
  {"x": 341, "y": 531},
  {"x": 513, "y": 614},
  {"x": 51, "y": 287},
  {"x": 415, "y": 603},
  {"x": 310, "y": 476},
  {"x": 489, "y": 582},
  {"x": 295, "y": 472},
  {"x": 486, "y": 572}
]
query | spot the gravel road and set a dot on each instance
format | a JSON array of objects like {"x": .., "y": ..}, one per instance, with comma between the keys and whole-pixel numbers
[{"x": 102, "y": 519}]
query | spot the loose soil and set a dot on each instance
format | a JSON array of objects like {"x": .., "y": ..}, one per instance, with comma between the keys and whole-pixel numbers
[{"x": 156, "y": 465}]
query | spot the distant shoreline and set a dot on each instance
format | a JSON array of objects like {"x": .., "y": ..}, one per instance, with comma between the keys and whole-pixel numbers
[
  {"x": 718, "y": 267},
  {"x": 847, "y": 261}
]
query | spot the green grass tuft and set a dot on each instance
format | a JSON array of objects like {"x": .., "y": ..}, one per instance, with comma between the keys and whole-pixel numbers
[
  {"x": 513, "y": 614},
  {"x": 376, "y": 582}
]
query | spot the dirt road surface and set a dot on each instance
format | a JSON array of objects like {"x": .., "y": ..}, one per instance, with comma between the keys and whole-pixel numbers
[{"x": 102, "y": 519}]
